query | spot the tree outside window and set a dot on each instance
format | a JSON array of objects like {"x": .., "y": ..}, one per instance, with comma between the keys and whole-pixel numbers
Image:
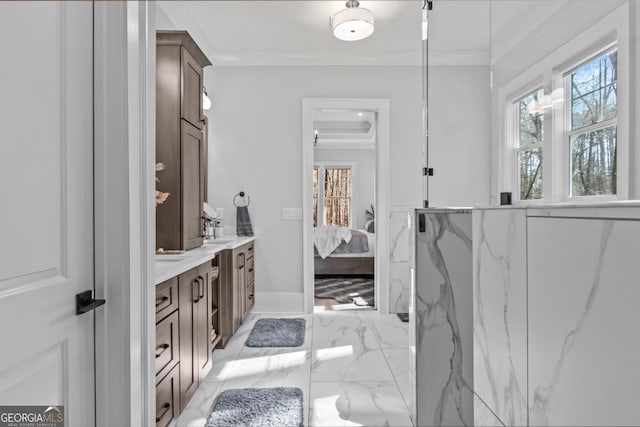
[
  {"x": 332, "y": 191},
  {"x": 530, "y": 145},
  {"x": 594, "y": 127}
]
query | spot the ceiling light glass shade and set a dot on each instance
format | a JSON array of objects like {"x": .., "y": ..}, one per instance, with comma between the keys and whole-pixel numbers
[{"x": 353, "y": 23}]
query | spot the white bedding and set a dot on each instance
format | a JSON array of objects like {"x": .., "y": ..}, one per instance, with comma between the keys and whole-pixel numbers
[
  {"x": 371, "y": 240},
  {"x": 327, "y": 238}
]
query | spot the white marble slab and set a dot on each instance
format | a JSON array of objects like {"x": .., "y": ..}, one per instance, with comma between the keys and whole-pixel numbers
[
  {"x": 500, "y": 315},
  {"x": 372, "y": 404},
  {"x": 389, "y": 330},
  {"x": 584, "y": 344},
  {"x": 347, "y": 353},
  {"x": 398, "y": 360},
  {"x": 399, "y": 236},
  {"x": 483, "y": 416},
  {"x": 171, "y": 266},
  {"x": 444, "y": 318},
  {"x": 340, "y": 318},
  {"x": 399, "y": 287}
]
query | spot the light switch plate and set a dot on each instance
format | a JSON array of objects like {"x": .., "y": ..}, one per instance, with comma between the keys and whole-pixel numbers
[{"x": 292, "y": 213}]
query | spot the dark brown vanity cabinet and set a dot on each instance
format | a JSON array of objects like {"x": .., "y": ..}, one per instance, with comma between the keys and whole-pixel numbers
[
  {"x": 180, "y": 140},
  {"x": 167, "y": 354},
  {"x": 237, "y": 288},
  {"x": 196, "y": 295}
]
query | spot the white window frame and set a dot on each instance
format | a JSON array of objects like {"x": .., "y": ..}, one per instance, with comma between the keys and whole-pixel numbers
[
  {"x": 551, "y": 73},
  {"x": 324, "y": 165}
]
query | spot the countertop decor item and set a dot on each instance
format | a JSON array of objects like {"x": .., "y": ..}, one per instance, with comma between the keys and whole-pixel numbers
[{"x": 160, "y": 196}]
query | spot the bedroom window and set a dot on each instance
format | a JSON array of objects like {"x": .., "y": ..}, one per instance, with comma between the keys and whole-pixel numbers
[{"x": 332, "y": 193}]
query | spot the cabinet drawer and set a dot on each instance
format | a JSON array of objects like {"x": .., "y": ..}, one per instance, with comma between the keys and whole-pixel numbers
[
  {"x": 167, "y": 344},
  {"x": 166, "y": 298},
  {"x": 249, "y": 250},
  {"x": 250, "y": 273},
  {"x": 168, "y": 398}
]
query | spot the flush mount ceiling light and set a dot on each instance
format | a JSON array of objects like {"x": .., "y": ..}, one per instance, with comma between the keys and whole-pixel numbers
[{"x": 353, "y": 23}]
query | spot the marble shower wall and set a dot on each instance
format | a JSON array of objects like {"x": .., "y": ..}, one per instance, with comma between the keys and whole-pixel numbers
[
  {"x": 443, "y": 318},
  {"x": 584, "y": 342},
  {"x": 500, "y": 316},
  {"x": 399, "y": 267},
  {"x": 556, "y": 316}
]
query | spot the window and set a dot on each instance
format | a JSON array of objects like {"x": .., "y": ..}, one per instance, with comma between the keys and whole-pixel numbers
[
  {"x": 530, "y": 136},
  {"x": 332, "y": 192},
  {"x": 565, "y": 143},
  {"x": 593, "y": 133}
]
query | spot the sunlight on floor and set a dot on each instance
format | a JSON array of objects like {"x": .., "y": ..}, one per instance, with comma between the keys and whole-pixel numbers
[
  {"x": 263, "y": 364},
  {"x": 325, "y": 408},
  {"x": 325, "y": 354}
]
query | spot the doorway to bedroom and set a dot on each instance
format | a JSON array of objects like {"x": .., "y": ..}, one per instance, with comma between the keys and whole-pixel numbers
[{"x": 344, "y": 205}]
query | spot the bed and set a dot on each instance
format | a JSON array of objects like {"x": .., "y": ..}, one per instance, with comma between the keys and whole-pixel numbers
[{"x": 348, "y": 260}]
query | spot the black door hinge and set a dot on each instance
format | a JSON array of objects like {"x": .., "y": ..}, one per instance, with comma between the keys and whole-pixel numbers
[
  {"x": 427, "y": 171},
  {"x": 425, "y": 203}
]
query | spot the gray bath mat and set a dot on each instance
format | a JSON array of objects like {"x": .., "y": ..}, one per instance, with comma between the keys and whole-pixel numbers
[
  {"x": 277, "y": 333},
  {"x": 258, "y": 407}
]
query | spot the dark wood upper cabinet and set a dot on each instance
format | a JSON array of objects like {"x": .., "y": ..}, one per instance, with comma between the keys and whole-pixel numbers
[
  {"x": 192, "y": 179},
  {"x": 180, "y": 140},
  {"x": 192, "y": 86}
]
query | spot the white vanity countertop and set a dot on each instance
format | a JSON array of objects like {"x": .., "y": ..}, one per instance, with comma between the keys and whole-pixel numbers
[{"x": 174, "y": 265}]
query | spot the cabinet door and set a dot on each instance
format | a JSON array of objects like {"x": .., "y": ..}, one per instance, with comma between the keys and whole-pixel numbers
[
  {"x": 189, "y": 294},
  {"x": 203, "y": 319},
  {"x": 192, "y": 174},
  {"x": 192, "y": 82}
]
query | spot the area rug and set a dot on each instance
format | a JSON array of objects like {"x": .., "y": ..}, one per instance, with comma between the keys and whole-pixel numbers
[
  {"x": 277, "y": 333},
  {"x": 346, "y": 290},
  {"x": 258, "y": 407}
]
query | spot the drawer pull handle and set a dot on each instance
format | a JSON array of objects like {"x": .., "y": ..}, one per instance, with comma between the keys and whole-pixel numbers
[
  {"x": 251, "y": 270},
  {"x": 166, "y": 406},
  {"x": 159, "y": 301},
  {"x": 200, "y": 287},
  {"x": 195, "y": 290},
  {"x": 163, "y": 348}
]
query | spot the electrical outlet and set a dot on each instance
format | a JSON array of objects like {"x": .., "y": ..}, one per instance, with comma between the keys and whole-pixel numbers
[{"x": 292, "y": 213}]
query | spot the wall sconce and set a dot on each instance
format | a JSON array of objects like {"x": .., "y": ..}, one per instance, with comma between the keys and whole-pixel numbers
[{"x": 206, "y": 101}]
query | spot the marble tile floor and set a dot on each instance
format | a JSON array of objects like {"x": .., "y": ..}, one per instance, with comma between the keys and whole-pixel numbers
[{"x": 353, "y": 369}]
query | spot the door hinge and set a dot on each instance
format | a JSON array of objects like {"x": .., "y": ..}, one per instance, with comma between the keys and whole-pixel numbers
[
  {"x": 425, "y": 204},
  {"x": 427, "y": 171}
]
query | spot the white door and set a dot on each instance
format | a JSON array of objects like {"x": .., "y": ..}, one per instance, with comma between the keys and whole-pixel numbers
[{"x": 46, "y": 206}]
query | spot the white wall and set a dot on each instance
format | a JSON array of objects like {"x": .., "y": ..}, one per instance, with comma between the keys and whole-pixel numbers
[
  {"x": 459, "y": 135},
  {"x": 255, "y": 146},
  {"x": 363, "y": 182}
]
